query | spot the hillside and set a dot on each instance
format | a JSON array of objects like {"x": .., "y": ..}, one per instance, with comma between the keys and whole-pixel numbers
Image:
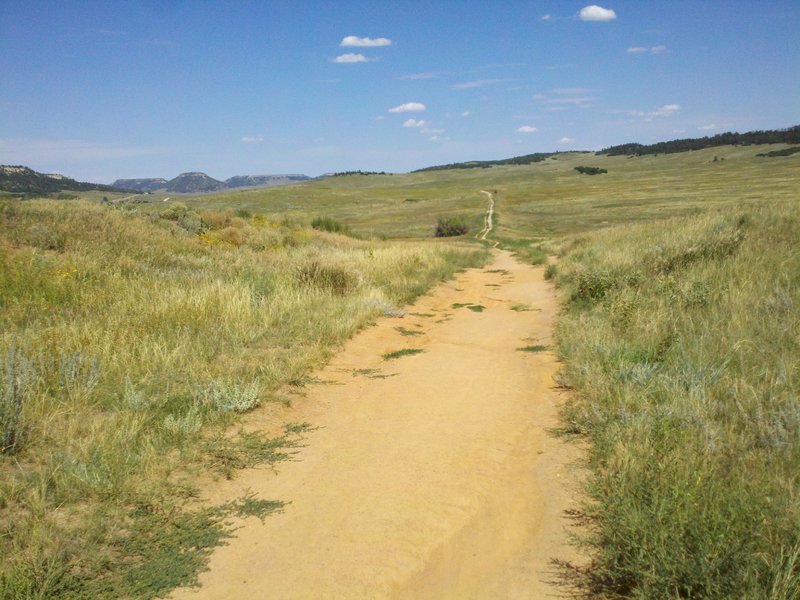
[
  {"x": 527, "y": 159},
  {"x": 790, "y": 135},
  {"x": 17, "y": 179}
]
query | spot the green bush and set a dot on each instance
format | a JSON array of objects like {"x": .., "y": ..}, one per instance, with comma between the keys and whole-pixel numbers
[
  {"x": 329, "y": 224},
  {"x": 591, "y": 170},
  {"x": 451, "y": 226}
]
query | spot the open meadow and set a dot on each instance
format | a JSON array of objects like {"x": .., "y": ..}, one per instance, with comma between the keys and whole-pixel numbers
[{"x": 135, "y": 337}]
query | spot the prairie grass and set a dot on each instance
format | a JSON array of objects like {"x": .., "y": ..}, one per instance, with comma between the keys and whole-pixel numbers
[
  {"x": 129, "y": 345},
  {"x": 681, "y": 339}
]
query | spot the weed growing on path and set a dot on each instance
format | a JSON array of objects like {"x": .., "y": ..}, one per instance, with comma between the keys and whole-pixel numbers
[{"x": 401, "y": 353}]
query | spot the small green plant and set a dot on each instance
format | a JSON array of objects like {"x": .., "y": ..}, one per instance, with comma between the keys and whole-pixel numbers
[
  {"x": 407, "y": 332},
  {"x": 227, "y": 396},
  {"x": 533, "y": 348},
  {"x": 403, "y": 352},
  {"x": 451, "y": 226},
  {"x": 18, "y": 376}
]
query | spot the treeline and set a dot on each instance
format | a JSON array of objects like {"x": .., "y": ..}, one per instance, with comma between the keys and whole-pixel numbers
[
  {"x": 359, "y": 172},
  {"x": 790, "y": 135},
  {"x": 485, "y": 164}
]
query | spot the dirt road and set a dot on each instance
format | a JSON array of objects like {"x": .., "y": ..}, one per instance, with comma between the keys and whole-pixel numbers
[{"x": 430, "y": 475}]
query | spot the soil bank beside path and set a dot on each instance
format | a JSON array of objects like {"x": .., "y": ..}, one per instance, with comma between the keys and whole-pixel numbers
[{"x": 431, "y": 475}]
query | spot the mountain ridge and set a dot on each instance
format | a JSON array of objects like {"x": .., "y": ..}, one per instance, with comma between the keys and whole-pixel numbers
[{"x": 193, "y": 182}]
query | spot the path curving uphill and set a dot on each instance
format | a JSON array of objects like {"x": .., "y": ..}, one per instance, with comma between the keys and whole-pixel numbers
[
  {"x": 487, "y": 220},
  {"x": 431, "y": 475}
]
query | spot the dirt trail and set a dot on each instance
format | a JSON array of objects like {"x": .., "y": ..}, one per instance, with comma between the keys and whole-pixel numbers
[{"x": 429, "y": 476}]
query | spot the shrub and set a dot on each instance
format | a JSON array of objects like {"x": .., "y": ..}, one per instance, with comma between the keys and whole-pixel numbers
[
  {"x": 451, "y": 226},
  {"x": 591, "y": 170},
  {"x": 329, "y": 224},
  {"x": 325, "y": 277}
]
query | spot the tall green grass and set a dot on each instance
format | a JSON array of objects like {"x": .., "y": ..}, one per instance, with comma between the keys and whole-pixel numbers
[
  {"x": 129, "y": 344},
  {"x": 681, "y": 339}
]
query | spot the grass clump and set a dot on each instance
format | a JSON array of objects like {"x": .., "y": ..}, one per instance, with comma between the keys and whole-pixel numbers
[
  {"x": 534, "y": 348},
  {"x": 401, "y": 353},
  {"x": 681, "y": 342},
  {"x": 451, "y": 226},
  {"x": 329, "y": 224}
]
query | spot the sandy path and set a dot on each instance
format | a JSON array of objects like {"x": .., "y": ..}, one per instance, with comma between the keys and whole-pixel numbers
[{"x": 436, "y": 480}]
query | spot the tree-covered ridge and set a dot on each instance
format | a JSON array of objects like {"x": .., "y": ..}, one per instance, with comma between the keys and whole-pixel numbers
[
  {"x": 527, "y": 159},
  {"x": 790, "y": 135},
  {"x": 18, "y": 179}
]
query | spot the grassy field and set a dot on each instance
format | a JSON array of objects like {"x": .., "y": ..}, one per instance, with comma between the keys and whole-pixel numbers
[
  {"x": 542, "y": 200},
  {"x": 130, "y": 345},
  {"x": 134, "y": 335},
  {"x": 681, "y": 339}
]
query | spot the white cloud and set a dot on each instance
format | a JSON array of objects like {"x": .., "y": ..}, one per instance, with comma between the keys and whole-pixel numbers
[
  {"x": 466, "y": 113},
  {"x": 479, "y": 83},
  {"x": 539, "y": 97},
  {"x": 252, "y": 139},
  {"x": 546, "y": 17},
  {"x": 666, "y": 111},
  {"x": 350, "y": 58},
  {"x": 409, "y": 107},
  {"x": 419, "y": 76},
  {"x": 708, "y": 127},
  {"x": 571, "y": 91},
  {"x": 580, "y": 101},
  {"x": 596, "y": 13},
  {"x": 647, "y": 50},
  {"x": 364, "y": 42},
  {"x": 527, "y": 129},
  {"x": 566, "y": 140},
  {"x": 414, "y": 123},
  {"x": 379, "y": 118}
]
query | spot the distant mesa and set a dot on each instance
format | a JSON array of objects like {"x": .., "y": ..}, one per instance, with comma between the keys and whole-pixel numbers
[{"x": 199, "y": 183}]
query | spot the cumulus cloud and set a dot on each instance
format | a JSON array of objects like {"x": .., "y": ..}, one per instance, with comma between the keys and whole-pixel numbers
[
  {"x": 546, "y": 17},
  {"x": 479, "y": 83},
  {"x": 566, "y": 140},
  {"x": 527, "y": 129},
  {"x": 596, "y": 13},
  {"x": 412, "y": 123},
  {"x": 466, "y": 113},
  {"x": 364, "y": 42},
  {"x": 350, "y": 58},
  {"x": 408, "y": 107},
  {"x": 252, "y": 139},
  {"x": 711, "y": 127}
]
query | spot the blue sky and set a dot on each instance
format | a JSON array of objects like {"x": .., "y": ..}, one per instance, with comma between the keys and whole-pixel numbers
[{"x": 110, "y": 89}]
